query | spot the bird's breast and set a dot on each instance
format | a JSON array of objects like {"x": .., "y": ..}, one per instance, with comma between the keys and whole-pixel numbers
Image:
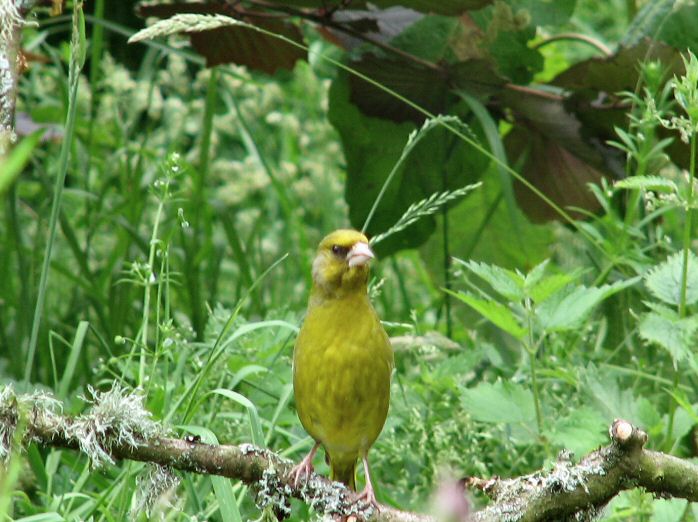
[{"x": 342, "y": 367}]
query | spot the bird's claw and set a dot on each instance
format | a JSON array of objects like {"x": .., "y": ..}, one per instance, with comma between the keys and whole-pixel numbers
[
  {"x": 369, "y": 497},
  {"x": 304, "y": 468}
]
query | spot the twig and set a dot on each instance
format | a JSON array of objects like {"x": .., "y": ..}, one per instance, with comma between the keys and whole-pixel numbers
[{"x": 576, "y": 37}]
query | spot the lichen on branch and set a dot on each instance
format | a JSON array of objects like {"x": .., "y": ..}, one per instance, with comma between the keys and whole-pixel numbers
[{"x": 117, "y": 426}]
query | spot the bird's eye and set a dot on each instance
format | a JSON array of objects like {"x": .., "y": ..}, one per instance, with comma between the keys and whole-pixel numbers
[{"x": 339, "y": 251}]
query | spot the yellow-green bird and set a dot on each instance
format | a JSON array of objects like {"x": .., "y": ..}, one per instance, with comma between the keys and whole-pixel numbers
[{"x": 342, "y": 361}]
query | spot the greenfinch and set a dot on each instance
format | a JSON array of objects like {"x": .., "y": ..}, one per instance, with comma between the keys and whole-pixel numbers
[{"x": 342, "y": 362}]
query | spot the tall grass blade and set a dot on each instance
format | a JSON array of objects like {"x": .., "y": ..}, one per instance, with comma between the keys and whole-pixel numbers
[
  {"x": 75, "y": 350},
  {"x": 77, "y": 46}
]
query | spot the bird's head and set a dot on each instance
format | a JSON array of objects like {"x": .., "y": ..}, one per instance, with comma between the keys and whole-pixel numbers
[{"x": 341, "y": 263}]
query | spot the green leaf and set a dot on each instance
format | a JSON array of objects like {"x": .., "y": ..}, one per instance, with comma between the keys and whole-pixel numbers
[
  {"x": 493, "y": 311},
  {"x": 580, "y": 431},
  {"x": 372, "y": 146},
  {"x": 667, "y": 21},
  {"x": 664, "y": 327},
  {"x": 656, "y": 183},
  {"x": 499, "y": 402},
  {"x": 668, "y": 510},
  {"x": 12, "y": 164},
  {"x": 487, "y": 232},
  {"x": 508, "y": 33},
  {"x": 664, "y": 280},
  {"x": 548, "y": 286},
  {"x": 648, "y": 20},
  {"x": 505, "y": 282},
  {"x": 255, "y": 423},
  {"x": 222, "y": 488},
  {"x": 546, "y": 12},
  {"x": 566, "y": 310}
]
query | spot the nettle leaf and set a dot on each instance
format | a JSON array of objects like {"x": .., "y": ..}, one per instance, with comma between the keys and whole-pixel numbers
[
  {"x": 548, "y": 286},
  {"x": 239, "y": 44},
  {"x": 613, "y": 400},
  {"x": 497, "y": 313},
  {"x": 581, "y": 431},
  {"x": 539, "y": 287},
  {"x": 439, "y": 162},
  {"x": 505, "y": 282},
  {"x": 499, "y": 402},
  {"x": 655, "y": 183},
  {"x": 664, "y": 280},
  {"x": 664, "y": 327},
  {"x": 567, "y": 309}
]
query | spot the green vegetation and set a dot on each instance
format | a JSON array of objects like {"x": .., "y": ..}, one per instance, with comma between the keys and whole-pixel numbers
[{"x": 536, "y": 243}]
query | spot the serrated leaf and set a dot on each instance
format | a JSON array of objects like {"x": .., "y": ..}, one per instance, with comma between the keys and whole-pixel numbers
[
  {"x": 493, "y": 311},
  {"x": 647, "y": 183},
  {"x": 499, "y": 402},
  {"x": 548, "y": 286},
  {"x": 668, "y": 510},
  {"x": 567, "y": 310},
  {"x": 535, "y": 275},
  {"x": 581, "y": 431},
  {"x": 664, "y": 280},
  {"x": 505, "y": 282},
  {"x": 664, "y": 327}
]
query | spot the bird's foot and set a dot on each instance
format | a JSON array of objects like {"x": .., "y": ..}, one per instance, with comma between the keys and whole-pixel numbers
[
  {"x": 369, "y": 497},
  {"x": 305, "y": 467},
  {"x": 298, "y": 471}
]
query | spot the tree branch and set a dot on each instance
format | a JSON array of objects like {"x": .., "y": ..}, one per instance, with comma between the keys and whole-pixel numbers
[
  {"x": 118, "y": 427},
  {"x": 569, "y": 489},
  {"x": 12, "y": 19}
]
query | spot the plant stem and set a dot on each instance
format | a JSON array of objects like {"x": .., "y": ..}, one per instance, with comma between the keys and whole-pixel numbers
[
  {"x": 687, "y": 228},
  {"x": 146, "y": 295},
  {"x": 684, "y": 273},
  {"x": 532, "y": 350}
]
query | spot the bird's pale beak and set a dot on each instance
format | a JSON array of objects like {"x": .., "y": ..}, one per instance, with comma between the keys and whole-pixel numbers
[{"x": 359, "y": 255}]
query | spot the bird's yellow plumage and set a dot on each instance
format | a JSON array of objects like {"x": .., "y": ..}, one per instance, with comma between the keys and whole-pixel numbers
[{"x": 342, "y": 361}]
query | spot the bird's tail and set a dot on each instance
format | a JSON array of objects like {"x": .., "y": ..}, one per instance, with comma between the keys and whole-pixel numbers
[{"x": 344, "y": 472}]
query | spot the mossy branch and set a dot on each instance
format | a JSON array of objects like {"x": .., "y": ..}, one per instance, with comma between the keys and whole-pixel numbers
[
  {"x": 582, "y": 490},
  {"x": 118, "y": 427}
]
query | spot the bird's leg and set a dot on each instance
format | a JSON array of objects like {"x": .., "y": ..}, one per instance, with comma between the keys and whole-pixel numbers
[
  {"x": 368, "y": 495},
  {"x": 305, "y": 467}
]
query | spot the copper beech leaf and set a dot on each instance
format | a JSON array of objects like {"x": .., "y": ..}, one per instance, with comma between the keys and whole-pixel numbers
[
  {"x": 619, "y": 72},
  {"x": 430, "y": 89},
  {"x": 555, "y": 156},
  {"x": 237, "y": 44},
  {"x": 444, "y": 7}
]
